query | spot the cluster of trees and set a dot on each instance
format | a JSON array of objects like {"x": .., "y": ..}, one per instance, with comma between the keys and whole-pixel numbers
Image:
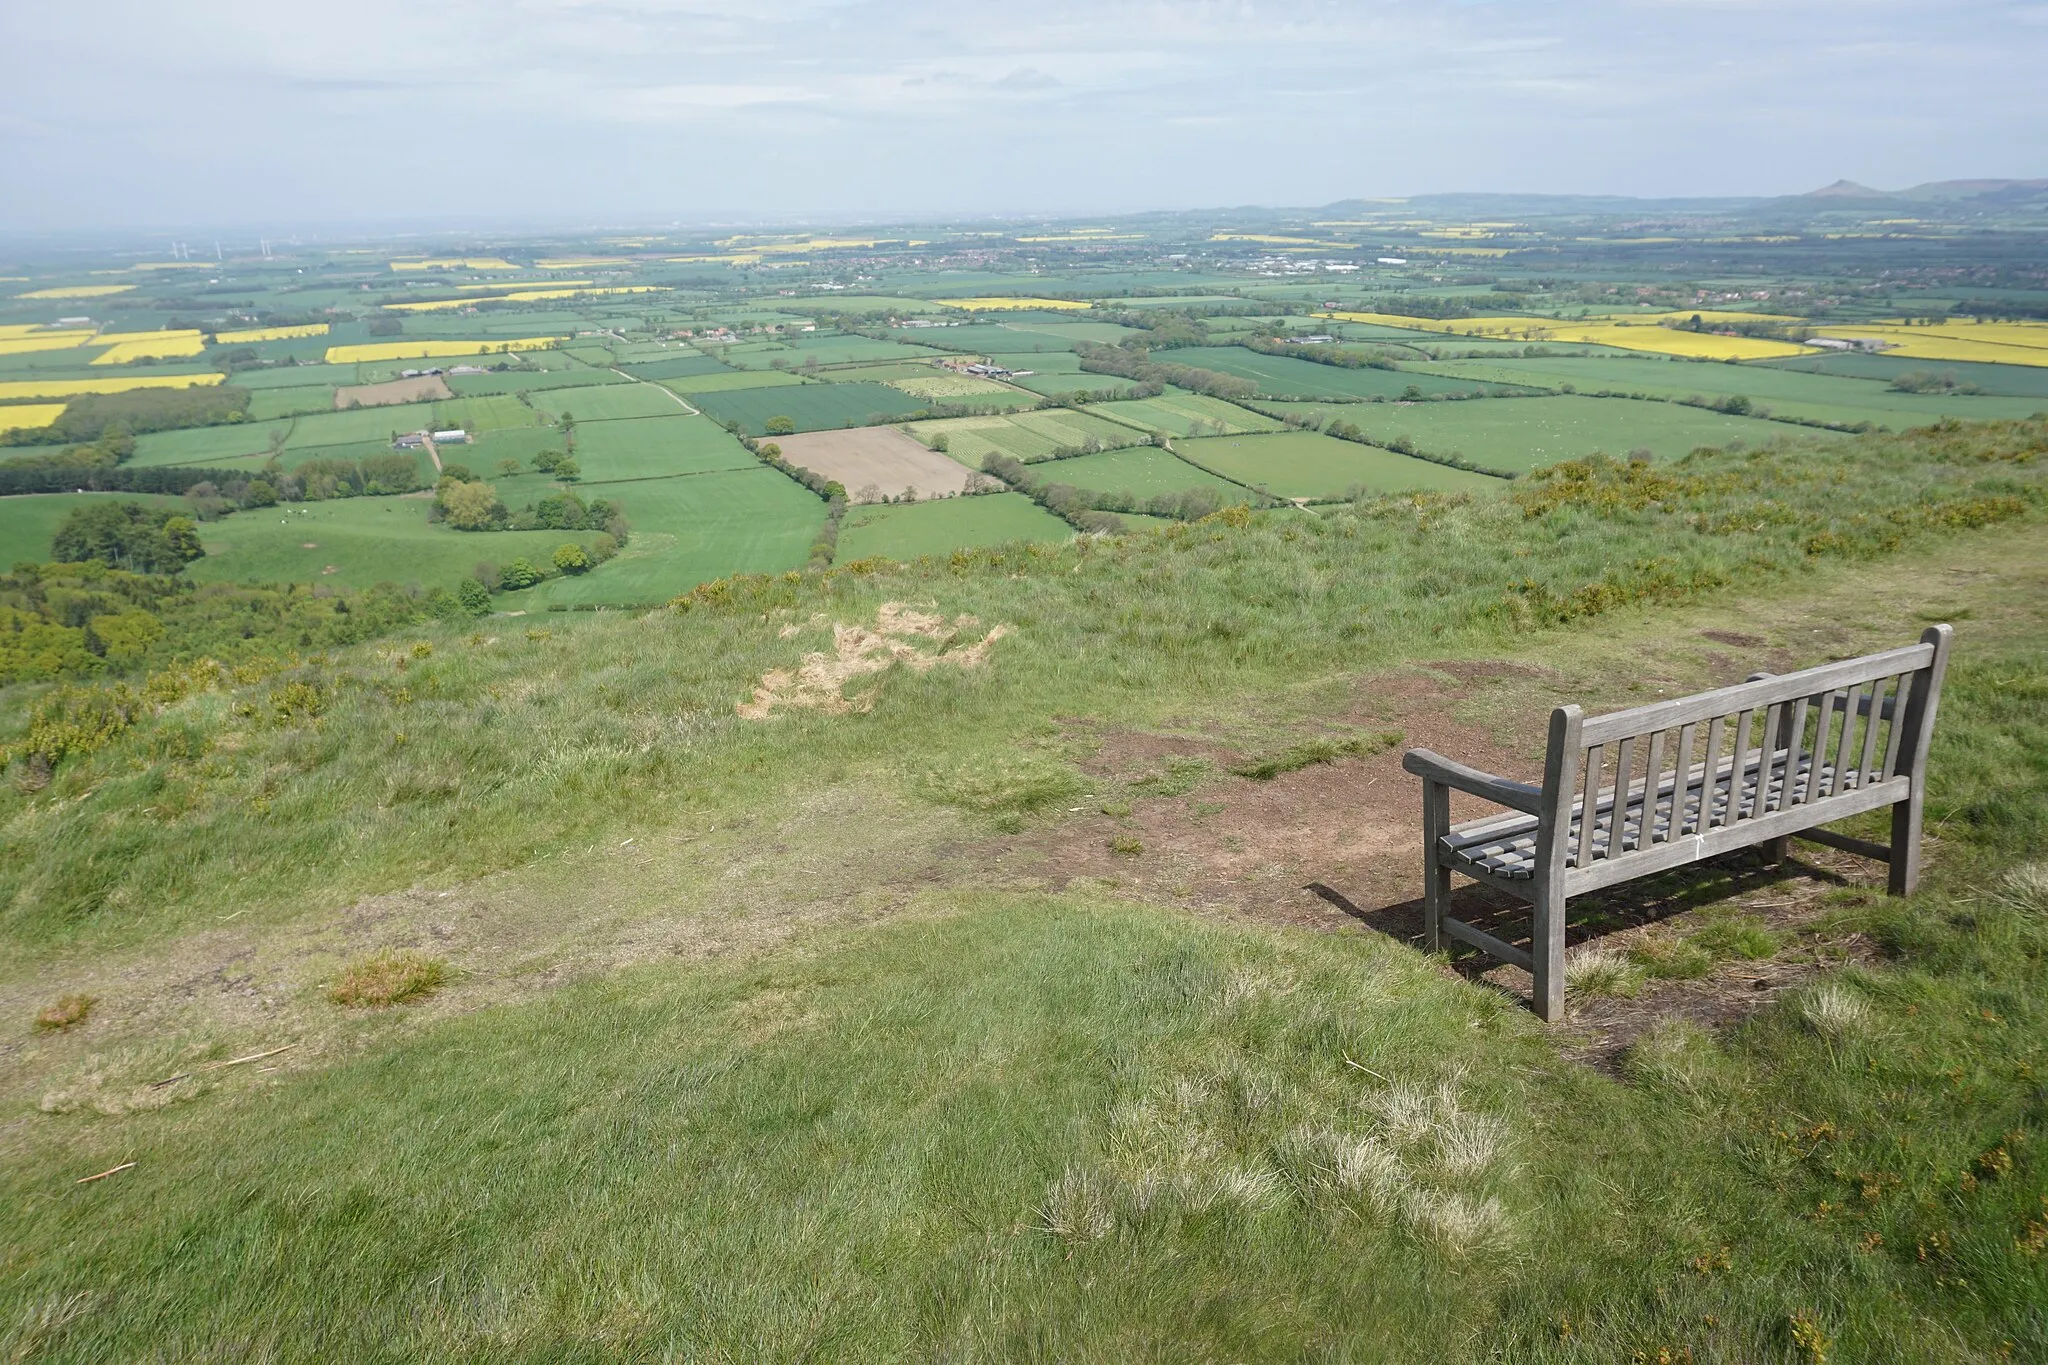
[
  {"x": 127, "y": 535},
  {"x": 91, "y": 416},
  {"x": 1321, "y": 355},
  {"x": 1089, "y": 509},
  {"x": 1929, "y": 381},
  {"x": 468, "y": 503},
  {"x": 87, "y": 619},
  {"x": 1137, "y": 364}
]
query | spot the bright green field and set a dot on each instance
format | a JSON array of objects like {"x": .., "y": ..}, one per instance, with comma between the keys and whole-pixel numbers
[
  {"x": 813, "y": 407},
  {"x": 489, "y": 412},
  {"x": 609, "y": 402},
  {"x": 1143, "y": 470},
  {"x": 1186, "y": 414},
  {"x": 826, "y": 350},
  {"x": 1282, "y": 376},
  {"x": 29, "y": 522},
  {"x": 359, "y": 424},
  {"x": 725, "y": 380},
  {"x": 652, "y": 447},
  {"x": 267, "y": 405},
  {"x": 693, "y": 528},
  {"x": 2020, "y": 381},
  {"x": 521, "y": 381},
  {"x": 294, "y": 376},
  {"x": 1025, "y": 436},
  {"x": 934, "y": 528},
  {"x": 201, "y": 445},
  {"x": 1818, "y": 397},
  {"x": 1520, "y": 434},
  {"x": 1308, "y": 464},
  {"x": 366, "y": 540},
  {"x": 676, "y": 366}
]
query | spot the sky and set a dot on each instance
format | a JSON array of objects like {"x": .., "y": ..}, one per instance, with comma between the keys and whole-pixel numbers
[{"x": 133, "y": 113}]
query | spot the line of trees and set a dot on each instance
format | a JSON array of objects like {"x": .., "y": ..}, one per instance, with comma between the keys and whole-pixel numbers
[
  {"x": 137, "y": 412},
  {"x": 1139, "y": 366},
  {"x": 1094, "y": 510}
]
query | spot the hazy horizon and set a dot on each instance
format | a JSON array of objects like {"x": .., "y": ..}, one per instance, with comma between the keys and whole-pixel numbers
[{"x": 120, "y": 116}]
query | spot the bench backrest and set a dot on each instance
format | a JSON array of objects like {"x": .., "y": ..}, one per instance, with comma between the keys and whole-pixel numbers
[{"x": 1823, "y": 736}]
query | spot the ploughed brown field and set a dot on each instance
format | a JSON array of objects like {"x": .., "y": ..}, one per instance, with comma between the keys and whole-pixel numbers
[{"x": 874, "y": 462}]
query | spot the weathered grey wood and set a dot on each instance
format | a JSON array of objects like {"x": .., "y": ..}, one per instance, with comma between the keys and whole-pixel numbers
[
  {"x": 1775, "y": 688},
  {"x": 1487, "y": 943},
  {"x": 1573, "y": 834},
  {"x": 1848, "y": 843},
  {"x": 1546, "y": 942},
  {"x": 1436, "y": 876},
  {"x": 1499, "y": 790}
]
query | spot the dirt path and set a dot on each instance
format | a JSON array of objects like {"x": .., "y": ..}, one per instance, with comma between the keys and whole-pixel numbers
[
  {"x": 434, "y": 454},
  {"x": 651, "y": 384}
]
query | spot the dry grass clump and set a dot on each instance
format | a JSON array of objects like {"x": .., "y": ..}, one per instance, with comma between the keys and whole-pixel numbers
[
  {"x": 2026, "y": 888},
  {"x": 64, "y": 1012},
  {"x": 1077, "y": 1208},
  {"x": 1836, "y": 1013},
  {"x": 1601, "y": 972},
  {"x": 387, "y": 979}
]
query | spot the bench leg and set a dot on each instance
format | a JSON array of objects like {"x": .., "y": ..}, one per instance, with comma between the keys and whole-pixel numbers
[
  {"x": 1546, "y": 947},
  {"x": 1773, "y": 851},
  {"x": 1905, "y": 859},
  {"x": 1436, "y": 878}
]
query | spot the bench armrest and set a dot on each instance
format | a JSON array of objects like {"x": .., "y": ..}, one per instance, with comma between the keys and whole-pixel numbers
[{"x": 1434, "y": 767}]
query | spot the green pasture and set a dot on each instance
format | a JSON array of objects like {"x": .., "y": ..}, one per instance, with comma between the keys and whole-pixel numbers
[
  {"x": 1521, "y": 434},
  {"x": 28, "y": 522},
  {"x": 813, "y": 407},
  {"x": 363, "y": 540},
  {"x": 609, "y": 402},
  {"x": 1185, "y": 414},
  {"x": 907, "y": 530},
  {"x": 654, "y": 447},
  {"x": 524, "y": 381},
  {"x": 1791, "y": 393},
  {"x": 486, "y": 412},
  {"x": 514, "y": 443},
  {"x": 692, "y": 528},
  {"x": 826, "y": 350},
  {"x": 1281, "y": 376},
  {"x": 1308, "y": 464},
  {"x": 880, "y": 373},
  {"x": 203, "y": 445},
  {"x": 2018, "y": 381},
  {"x": 676, "y": 366},
  {"x": 359, "y": 424},
  {"x": 268, "y": 405},
  {"x": 726, "y": 381},
  {"x": 1143, "y": 470},
  {"x": 1024, "y": 436}
]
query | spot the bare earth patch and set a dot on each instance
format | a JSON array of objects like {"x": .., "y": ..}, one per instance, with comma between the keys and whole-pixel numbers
[
  {"x": 393, "y": 391},
  {"x": 918, "y": 640},
  {"x": 880, "y": 460}
]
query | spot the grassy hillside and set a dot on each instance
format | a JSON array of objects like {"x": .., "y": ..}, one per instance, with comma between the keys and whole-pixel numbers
[{"x": 769, "y": 1039}]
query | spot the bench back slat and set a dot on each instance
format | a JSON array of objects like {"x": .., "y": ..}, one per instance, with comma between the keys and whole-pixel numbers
[{"x": 1795, "y": 741}]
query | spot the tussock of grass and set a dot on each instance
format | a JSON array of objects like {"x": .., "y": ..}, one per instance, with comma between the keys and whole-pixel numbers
[
  {"x": 387, "y": 979},
  {"x": 1672, "y": 959},
  {"x": 2026, "y": 888},
  {"x": 1308, "y": 754},
  {"x": 1737, "y": 936},
  {"x": 1601, "y": 972},
  {"x": 64, "y": 1012},
  {"x": 1836, "y": 1013}
]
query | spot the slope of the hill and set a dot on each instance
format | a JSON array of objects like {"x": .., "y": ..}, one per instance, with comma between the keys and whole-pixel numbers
[{"x": 783, "y": 1028}]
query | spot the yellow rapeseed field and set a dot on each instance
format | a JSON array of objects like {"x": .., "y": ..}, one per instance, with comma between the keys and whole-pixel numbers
[
  {"x": 42, "y": 341},
  {"x": 522, "y": 296},
  {"x": 29, "y": 417},
  {"x": 311, "y": 329},
  {"x": 579, "y": 262},
  {"x": 147, "y": 345},
  {"x": 112, "y": 383},
  {"x": 1643, "y": 336},
  {"x": 456, "y": 263},
  {"x": 999, "y": 305},
  {"x": 78, "y": 291},
  {"x": 424, "y": 350},
  {"x": 1997, "y": 343}
]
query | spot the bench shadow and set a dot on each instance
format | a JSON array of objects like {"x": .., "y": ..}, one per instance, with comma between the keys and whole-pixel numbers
[{"x": 1631, "y": 905}]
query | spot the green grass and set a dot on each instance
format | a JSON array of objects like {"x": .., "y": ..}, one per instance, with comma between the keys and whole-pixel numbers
[
  {"x": 1814, "y": 397},
  {"x": 963, "y": 1116},
  {"x": 1520, "y": 434},
  {"x": 29, "y": 522},
  {"x": 1281, "y": 376},
  {"x": 813, "y": 407},
  {"x": 937, "y": 528},
  {"x": 1142, "y": 470},
  {"x": 826, "y": 350},
  {"x": 295, "y": 376},
  {"x": 266, "y": 405},
  {"x": 205, "y": 445},
  {"x": 676, "y": 366},
  {"x": 609, "y": 402},
  {"x": 1307, "y": 464},
  {"x": 490, "y": 412},
  {"x": 724, "y": 381},
  {"x": 359, "y": 424},
  {"x": 649, "y": 447},
  {"x": 693, "y": 528},
  {"x": 1186, "y": 414},
  {"x": 524, "y": 381},
  {"x": 2019, "y": 381},
  {"x": 1024, "y": 436},
  {"x": 366, "y": 540}
]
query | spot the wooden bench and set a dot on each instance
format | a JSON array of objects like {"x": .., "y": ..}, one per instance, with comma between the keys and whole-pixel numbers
[{"x": 1675, "y": 782}]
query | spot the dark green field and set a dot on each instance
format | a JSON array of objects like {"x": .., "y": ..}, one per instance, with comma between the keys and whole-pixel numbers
[
  {"x": 812, "y": 407},
  {"x": 1280, "y": 376}
]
